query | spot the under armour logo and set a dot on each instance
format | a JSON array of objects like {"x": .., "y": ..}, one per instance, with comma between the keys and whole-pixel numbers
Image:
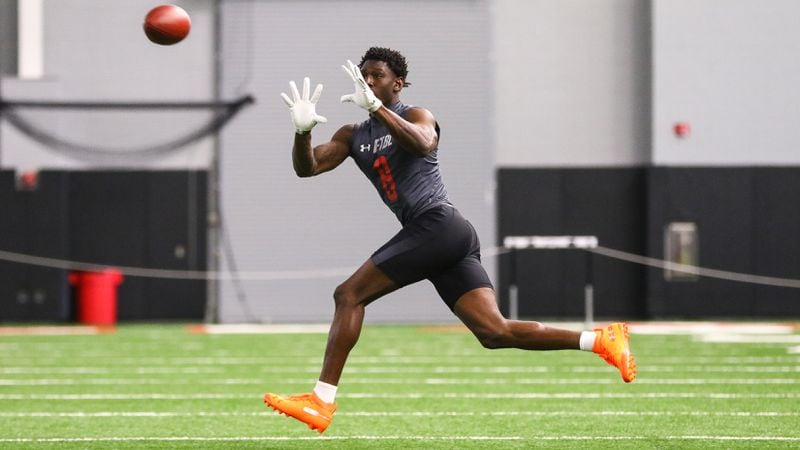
[{"x": 365, "y": 147}]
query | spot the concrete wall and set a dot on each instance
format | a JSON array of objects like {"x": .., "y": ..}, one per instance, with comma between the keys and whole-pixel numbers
[
  {"x": 95, "y": 50},
  {"x": 571, "y": 82},
  {"x": 729, "y": 69},
  {"x": 8, "y": 37},
  {"x": 515, "y": 84},
  {"x": 278, "y": 222}
]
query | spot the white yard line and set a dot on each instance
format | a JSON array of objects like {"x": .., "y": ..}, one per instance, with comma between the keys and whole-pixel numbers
[
  {"x": 398, "y": 438},
  {"x": 449, "y": 395},
  {"x": 594, "y": 368},
  {"x": 262, "y": 438},
  {"x": 102, "y": 414},
  {"x": 635, "y": 327},
  {"x": 658, "y": 328},
  {"x": 207, "y": 365},
  {"x": 380, "y": 380},
  {"x": 65, "y": 330},
  {"x": 89, "y": 370},
  {"x": 577, "y": 395},
  {"x": 736, "y": 338},
  {"x": 260, "y": 329},
  {"x": 701, "y": 328}
]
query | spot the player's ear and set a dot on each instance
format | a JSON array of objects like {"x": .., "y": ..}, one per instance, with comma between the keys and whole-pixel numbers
[{"x": 399, "y": 82}]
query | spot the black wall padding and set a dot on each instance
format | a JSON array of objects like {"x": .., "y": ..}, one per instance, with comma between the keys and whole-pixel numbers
[
  {"x": 777, "y": 238},
  {"x": 608, "y": 203},
  {"x": 154, "y": 219},
  {"x": 34, "y": 222},
  {"x": 748, "y": 220},
  {"x": 133, "y": 218}
]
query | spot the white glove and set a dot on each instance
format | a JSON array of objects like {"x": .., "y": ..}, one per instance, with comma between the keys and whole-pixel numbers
[
  {"x": 302, "y": 109},
  {"x": 363, "y": 96}
]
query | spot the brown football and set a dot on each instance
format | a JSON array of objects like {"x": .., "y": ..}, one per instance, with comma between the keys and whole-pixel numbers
[{"x": 167, "y": 24}]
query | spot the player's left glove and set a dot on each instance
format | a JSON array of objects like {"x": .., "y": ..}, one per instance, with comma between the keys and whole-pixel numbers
[
  {"x": 363, "y": 96},
  {"x": 303, "y": 110}
]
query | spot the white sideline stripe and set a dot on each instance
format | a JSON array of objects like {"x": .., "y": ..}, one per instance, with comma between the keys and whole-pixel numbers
[
  {"x": 450, "y": 395},
  {"x": 398, "y": 438},
  {"x": 37, "y": 365},
  {"x": 645, "y": 328},
  {"x": 794, "y": 349},
  {"x": 667, "y": 328},
  {"x": 595, "y": 368},
  {"x": 379, "y": 380},
  {"x": 264, "y": 438},
  {"x": 66, "y": 330},
  {"x": 726, "y": 338},
  {"x": 578, "y": 395},
  {"x": 735, "y": 438},
  {"x": 703, "y": 369},
  {"x": 408, "y": 413},
  {"x": 106, "y": 370},
  {"x": 262, "y": 329}
]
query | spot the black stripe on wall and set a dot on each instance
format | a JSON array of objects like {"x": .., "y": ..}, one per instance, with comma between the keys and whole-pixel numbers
[
  {"x": 606, "y": 202},
  {"x": 748, "y": 220},
  {"x": 153, "y": 219}
]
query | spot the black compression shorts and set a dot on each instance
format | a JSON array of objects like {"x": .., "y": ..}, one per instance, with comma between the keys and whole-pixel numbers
[{"x": 440, "y": 245}]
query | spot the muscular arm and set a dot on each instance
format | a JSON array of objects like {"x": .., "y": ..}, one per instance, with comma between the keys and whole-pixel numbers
[
  {"x": 416, "y": 133},
  {"x": 310, "y": 161}
]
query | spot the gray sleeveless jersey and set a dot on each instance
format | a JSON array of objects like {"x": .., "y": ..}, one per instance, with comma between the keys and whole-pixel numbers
[{"x": 408, "y": 184}]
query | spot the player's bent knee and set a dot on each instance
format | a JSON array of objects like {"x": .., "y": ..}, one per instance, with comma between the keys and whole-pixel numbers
[
  {"x": 490, "y": 342},
  {"x": 344, "y": 296},
  {"x": 493, "y": 338}
]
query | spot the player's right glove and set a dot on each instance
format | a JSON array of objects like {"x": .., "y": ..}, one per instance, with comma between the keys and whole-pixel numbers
[
  {"x": 363, "y": 95},
  {"x": 303, "y": 110}
]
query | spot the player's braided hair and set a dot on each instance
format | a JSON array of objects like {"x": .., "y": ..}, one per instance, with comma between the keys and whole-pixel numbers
[{"x": 392, "y": 58}]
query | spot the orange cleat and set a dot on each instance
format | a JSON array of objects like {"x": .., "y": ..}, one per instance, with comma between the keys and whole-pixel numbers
[
  {"x": 307, "y": 408},
  {"x": 613, "y": 344}
]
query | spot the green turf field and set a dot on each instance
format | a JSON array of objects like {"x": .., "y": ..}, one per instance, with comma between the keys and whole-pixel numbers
[{"x": 404, "y": 387}]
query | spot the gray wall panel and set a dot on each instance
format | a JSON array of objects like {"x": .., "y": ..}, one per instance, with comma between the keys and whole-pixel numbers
[
  {"x": 730, "y": 70},
  {"x": 572, "y": 82},
  {"x": 280, "y": 222},
  {"x": 8, "y": 37},
  {"x": 95, "y": 50}
]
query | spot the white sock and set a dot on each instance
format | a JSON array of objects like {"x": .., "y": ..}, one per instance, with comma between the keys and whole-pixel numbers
[
  {"x": 326, "y": 392},
  {"x": 587, "y": 340}
]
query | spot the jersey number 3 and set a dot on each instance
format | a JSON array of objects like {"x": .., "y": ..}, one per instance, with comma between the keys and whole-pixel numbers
[{"x": 387, "y": 182}]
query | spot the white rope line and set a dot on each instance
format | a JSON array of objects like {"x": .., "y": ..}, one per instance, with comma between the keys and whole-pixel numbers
[
  {"x": 272, "y": 275},
  {"x": 286, "y": 275},
  {"x": 697, "y": 270},
  {"x": 275, "y": 275}
]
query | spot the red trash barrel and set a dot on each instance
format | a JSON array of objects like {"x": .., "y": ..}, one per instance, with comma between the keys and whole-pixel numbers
[{"x": 97, "y": 296}]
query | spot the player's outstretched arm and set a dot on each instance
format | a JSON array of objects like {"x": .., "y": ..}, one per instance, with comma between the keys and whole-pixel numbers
[{"x": 308, "y": 162}]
